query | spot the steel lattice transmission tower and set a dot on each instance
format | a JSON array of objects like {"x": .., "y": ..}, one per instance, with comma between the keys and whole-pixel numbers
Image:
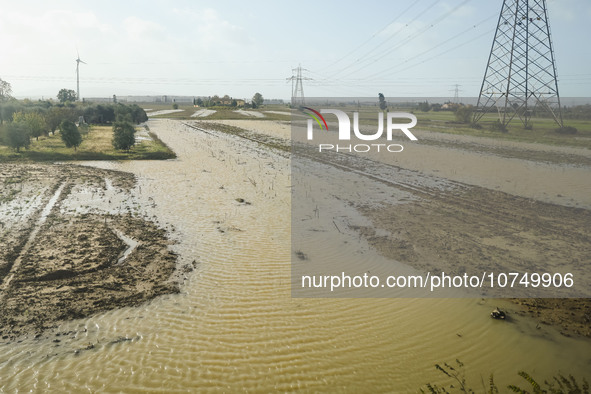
[
  {"x": 297, "y": 86},
  {"x": 520, "y": 76}
]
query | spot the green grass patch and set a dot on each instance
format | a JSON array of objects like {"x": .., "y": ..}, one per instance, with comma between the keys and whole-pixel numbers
[
  {"x": 96, "y": 145},
  {"x": 543, "y": 130}
]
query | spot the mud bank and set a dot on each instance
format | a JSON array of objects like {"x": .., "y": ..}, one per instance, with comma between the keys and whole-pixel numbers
[
  {"x": 545, "y": 236},
  {"x": 74, "y": 242}
]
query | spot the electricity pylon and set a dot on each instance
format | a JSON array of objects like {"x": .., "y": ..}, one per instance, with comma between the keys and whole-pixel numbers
[
  {"x": 297, "y": 86},
  {"x": 520, "y": 77},
  {"x": 456, "y": 91}
]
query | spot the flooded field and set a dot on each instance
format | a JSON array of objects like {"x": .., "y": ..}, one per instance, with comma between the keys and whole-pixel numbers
[{"x": 234, "y": 326}]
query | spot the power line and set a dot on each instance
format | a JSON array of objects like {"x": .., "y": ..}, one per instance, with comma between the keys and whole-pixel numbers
[
  {"x": 365, "y": 56},
  {"x": 413, "y": 36},
  {"x": 444, "y": 52}
]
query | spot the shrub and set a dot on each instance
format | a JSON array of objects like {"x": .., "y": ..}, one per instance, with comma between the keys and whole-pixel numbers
[
  {"x": 498, "y": 126},
  {"x": 566, "y": 130},
  {"x": 463, "y": 114}
]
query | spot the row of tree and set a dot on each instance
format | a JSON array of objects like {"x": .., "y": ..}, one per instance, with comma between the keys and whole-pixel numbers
[
  {"x": 21, "y": 120},
  {"x": 53, "y": 114}
]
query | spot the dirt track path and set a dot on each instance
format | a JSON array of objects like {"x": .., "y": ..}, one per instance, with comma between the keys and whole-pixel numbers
[{"x": 17, "y": 263}]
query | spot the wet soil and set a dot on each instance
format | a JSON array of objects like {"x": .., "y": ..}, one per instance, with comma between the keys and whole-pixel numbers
[
  {"x": 456, "y": 228},
  {"x": 60, "y": 264},
  {"x": 483, "y": 231}
]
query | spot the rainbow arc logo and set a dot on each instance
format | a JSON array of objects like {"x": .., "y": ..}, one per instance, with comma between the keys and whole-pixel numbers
[{"x": 316, "y": 116}]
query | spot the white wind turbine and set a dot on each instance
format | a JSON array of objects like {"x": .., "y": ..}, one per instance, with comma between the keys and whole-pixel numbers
[{"x": 78, "y": 61}]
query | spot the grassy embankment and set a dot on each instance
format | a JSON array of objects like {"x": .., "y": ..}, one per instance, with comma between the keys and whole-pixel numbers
[
  {"x": 543, "y": 130},
  {"x": 96, "y": 145}
]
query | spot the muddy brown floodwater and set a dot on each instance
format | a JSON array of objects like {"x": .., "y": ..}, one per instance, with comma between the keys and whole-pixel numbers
[{"x": 234, "y": 325}]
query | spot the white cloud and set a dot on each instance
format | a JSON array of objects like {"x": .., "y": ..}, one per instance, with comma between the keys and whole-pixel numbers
[
  {"x": 211, "y": 30},
  {"x": 139, "y": 29}
]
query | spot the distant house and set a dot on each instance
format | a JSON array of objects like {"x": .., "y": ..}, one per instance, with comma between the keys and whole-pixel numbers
[
  {"x": 273, "y": 101},
  {"x": 229, "y": 101}
]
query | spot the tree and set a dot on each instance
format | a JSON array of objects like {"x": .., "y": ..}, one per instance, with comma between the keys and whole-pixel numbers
[
  {"x": 65, "y": 95},
  {"x": 32, "y": 121},
  {"x": 382, "y": 102},
  {"x": 17, "y": 136},
  {"x": 105, "y": 113},
  {"x": 70, "y": 134},
  {"x": 56, "y": 115},
  {"x": 425, "y": 106},
  {"x": 5, "y": 90},
  {"x": 257, "y": 100},
  {"x": 123, "y": 135},
  {"x": 7, "y": 109},
  {"x": 138, "y": 115}
]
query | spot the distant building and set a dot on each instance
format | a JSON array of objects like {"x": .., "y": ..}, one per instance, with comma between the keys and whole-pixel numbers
[{"x": 273, "y": 101}]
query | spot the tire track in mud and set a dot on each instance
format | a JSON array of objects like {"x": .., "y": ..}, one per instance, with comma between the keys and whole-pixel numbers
[
  {"x": 31, "y": 238},
  {"x": 64, "y": 264}
]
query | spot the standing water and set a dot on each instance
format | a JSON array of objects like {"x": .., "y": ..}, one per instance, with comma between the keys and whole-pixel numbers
[{"x": 235, "y": 327}]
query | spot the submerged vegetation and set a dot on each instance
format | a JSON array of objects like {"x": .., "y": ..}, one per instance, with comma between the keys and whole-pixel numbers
[{"x": 558, "y": 384}]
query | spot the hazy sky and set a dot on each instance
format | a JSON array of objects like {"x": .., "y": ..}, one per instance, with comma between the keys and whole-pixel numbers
[{"x": 149, "y": 47}]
